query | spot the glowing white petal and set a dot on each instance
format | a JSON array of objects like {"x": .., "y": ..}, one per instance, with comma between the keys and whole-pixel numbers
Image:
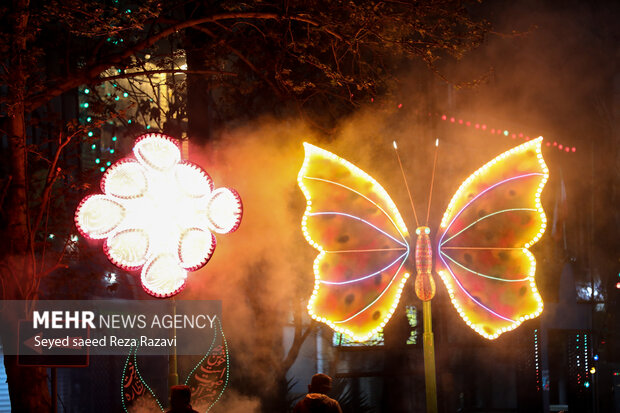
[
  {"x": 157, "y": 151},
  {"x": 195, "y": 248},
  {"x": 128, "y": 249},
  {"x": 192, "y": 180},
  {"x": 125, "y": 179},
  {"x": 162, "y": 276},
  {"x": 224, "y": 210},
  {"x": 97, "y": 216}
]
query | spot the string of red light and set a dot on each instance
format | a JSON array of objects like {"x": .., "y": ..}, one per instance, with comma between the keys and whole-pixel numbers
[
  {"x": 505, "y": 132},
  {"x": 499, "y": 131}
]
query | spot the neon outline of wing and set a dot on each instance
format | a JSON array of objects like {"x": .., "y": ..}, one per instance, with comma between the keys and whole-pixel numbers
[
  {"x": 392, "y": 214},
  {"x": 449, "y": 277},
  {"x": 207, "y": 354},
  {"x": 133, "y": 351}
]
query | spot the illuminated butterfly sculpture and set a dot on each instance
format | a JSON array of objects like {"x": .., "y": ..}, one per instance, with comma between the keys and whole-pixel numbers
[
  {"x": 158, "y": 213},
  {"x": 482, "y": 244}
]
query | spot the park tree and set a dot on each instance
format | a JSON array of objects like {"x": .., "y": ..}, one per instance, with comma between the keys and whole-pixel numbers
[{"x": 315, "y": 59}]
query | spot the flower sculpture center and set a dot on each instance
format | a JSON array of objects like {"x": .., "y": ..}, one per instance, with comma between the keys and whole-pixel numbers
[{"x": 158, "y": 213}]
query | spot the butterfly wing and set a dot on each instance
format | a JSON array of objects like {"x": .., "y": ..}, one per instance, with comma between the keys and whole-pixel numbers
[
  {"x": 490, "y": 223},
  {"x": 361, "y": 238}
]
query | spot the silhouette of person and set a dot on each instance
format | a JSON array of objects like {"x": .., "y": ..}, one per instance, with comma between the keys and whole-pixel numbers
[
  {"x": 180, "y": 397},
  {"x": 317, "y": 401}
]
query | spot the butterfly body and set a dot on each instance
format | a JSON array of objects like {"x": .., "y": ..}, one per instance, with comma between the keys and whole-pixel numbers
[
  {"x": 481, "y": 247},
  {"x": 424, "y": 282}
]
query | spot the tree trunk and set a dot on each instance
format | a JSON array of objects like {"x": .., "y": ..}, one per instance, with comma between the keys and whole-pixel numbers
[{"x": 27, "y": 385}]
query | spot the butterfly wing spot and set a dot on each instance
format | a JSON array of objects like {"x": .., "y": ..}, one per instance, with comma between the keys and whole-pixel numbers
[
  {"x": 488, "y": 330},
  {"x": 468, "y": 258},
  {"x": 376, "y": 315},
  {"x": 481, "y": 213},
  {"x": 324, "y": 267},
  {"x": 503, "y": 255},
  {"x": 512, "y": 192},
  {"x": 526, "y": 219},
  {"x": 343, "y": 239},
  {"x": 522, "y": 291},
  {"x": 349, "y": 299},
  {"x": 379, "y": 279}
]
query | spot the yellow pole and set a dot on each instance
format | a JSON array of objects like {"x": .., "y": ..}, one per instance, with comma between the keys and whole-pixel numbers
[
  {"x": 173, "y": 375},
  {"x": 429, "y": 360}
]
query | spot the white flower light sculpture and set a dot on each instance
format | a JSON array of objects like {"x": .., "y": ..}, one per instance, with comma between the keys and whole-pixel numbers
[{"x": 158, "y": 212}]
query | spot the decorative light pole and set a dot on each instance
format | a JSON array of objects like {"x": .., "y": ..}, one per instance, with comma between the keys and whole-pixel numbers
[{"x": 158, "y": 213}]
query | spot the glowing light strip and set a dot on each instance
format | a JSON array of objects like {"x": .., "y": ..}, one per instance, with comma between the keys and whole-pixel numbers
[
  {"x": 189, "y": 376},
  {"x": 369, "y": 250},
  {"x": 312, "y": 214},
  {"x": 482, "y": 248},
  {"x": 470, "y": 296},
  {"x": 487, "y": 216},
  {"x": 363, "y": 196},
  {"x": 441, "y": 242},
  {"x": 379, "y": 297},
  {"x": 227, "y": 364},
  {"x": 364, "y": 277},
  {"x": 135, "y": 363},
  {"x": 480, "y": 274},
  {"x": 503, "y": 132}
]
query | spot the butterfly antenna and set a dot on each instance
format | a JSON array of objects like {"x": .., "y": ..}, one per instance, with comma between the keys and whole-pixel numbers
[
  {"x": 430, "y": 195},
  {"x": 417, "y": 224}
]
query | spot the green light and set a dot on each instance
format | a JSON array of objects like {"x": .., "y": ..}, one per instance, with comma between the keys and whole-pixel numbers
[
  {"x": 114, "y": 85},
  {"x": 88, "y": 119},
  {"x": 129, "y": 121},
  {"x": 119, "y": 71},
  {"x": 125, "y": 94},
  {"x": 108, "y": 163},
  {"x": 90, "y": 133},
  {"x": 87, "y": 91},
  {"x": 111, "y": 150},
  {"x": 505, "y": 133},
  {"x": 102, "y": 169},
  {"x": 586, "y": 384},
  {"x": 85, "y": 105},
  {"x": 128, "y": 11},
  {"x": 97, "y": 160},
  {"x": 117, "y": 98},
  {"x": 93, "y": 146},
  {"x": 148, "y": 126},
  {"x": 114, "y": 138}
]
